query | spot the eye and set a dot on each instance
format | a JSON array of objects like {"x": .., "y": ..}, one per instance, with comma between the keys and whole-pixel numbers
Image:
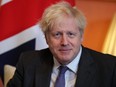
[
  {"x": 57, "y": 34},
  {"x": 71, "y": 34}
]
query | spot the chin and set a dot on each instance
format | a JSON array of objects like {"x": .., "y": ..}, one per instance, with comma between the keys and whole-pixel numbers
[{"x": 65, "y": 62}]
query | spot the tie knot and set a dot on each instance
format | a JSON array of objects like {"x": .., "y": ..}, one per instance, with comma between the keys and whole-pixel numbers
[{"x": 63, "y": 69}]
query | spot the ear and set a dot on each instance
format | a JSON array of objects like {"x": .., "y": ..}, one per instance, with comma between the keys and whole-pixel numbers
[
  {"x": 46, "y": 38},
  {"x": 82, "y": 36}
]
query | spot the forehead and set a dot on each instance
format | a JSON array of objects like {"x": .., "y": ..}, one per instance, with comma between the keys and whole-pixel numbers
[{"x": 65, "y": 23}]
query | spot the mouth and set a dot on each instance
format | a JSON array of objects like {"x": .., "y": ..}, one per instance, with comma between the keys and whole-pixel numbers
[{"x": 64, "y": 50}]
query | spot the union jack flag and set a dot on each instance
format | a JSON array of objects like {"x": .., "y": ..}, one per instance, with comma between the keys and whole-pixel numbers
[{"x": 19, "y": 29}]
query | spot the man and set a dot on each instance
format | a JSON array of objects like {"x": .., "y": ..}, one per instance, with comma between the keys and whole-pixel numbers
[{"x": 63, "y": 27}]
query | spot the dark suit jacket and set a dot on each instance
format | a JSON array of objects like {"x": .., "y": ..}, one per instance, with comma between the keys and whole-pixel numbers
[{"x": 95, "y": 70}]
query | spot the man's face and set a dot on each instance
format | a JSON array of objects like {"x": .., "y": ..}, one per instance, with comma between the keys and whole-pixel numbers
[{"x": 64, "y": 39}]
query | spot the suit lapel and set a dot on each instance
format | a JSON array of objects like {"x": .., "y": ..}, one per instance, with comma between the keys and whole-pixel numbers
[
  {"x": 85, "y": 74},
  {"x": 86, "y": 70},
  {"x": 43, "y": 71}
]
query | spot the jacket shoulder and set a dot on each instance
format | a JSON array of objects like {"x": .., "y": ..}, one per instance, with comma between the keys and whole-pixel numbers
[
  {"x": 33, "y": 57},
  {"x": 98, "y": 56}
]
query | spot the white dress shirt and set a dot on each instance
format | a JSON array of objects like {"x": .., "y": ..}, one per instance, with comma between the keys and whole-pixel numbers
[{"x": 70, "y": 75}]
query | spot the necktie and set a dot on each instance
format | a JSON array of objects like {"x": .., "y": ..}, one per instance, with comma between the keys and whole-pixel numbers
[{"x": 60, "y": 81}]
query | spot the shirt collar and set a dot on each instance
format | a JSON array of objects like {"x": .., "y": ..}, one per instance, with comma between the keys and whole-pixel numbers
[{"x": 73, "y": 66}]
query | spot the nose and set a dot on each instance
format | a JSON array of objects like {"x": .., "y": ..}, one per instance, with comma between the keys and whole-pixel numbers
[{"x": 64, "y": 40}]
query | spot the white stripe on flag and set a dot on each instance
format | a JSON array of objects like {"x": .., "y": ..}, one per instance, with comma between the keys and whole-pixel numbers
[
  {"x": 5, "y": 2},
  {"x": 24, "y": 36},
  {"x": 40, "y": 40}
]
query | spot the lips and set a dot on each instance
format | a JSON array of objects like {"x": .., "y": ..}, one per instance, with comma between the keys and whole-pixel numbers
[{"x": 65, "y": 50}]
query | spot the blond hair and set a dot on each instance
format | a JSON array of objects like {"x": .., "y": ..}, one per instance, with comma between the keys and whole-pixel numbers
[{"x": 58, "y": 10}]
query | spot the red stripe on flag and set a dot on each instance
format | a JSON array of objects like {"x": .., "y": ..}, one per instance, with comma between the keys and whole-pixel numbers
[{"x": 18, "y": 15}]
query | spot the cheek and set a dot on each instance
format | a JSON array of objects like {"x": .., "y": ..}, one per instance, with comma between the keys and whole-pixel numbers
[
  {"x": 52, "y": 43},
  {"x": 77, "y": 41},
  {"x": 76, "y": 44}
]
